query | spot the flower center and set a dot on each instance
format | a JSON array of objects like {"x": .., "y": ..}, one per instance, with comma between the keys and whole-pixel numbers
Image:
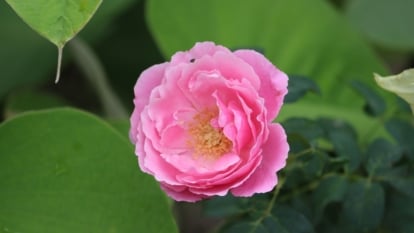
[{"x": 206, "y": 140}]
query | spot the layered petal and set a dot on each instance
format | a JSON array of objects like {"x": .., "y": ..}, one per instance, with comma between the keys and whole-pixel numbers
[
  {"x": 274, "y": 155},
  {"x": 274, "y": 82},
  {"x": 147, "y": 81}
]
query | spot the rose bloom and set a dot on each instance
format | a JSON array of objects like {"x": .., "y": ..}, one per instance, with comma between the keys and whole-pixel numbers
[{"x": 202, "y": 123}]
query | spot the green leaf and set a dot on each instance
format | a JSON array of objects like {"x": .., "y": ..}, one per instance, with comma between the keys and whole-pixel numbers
[
  {"x": 293, "y": 221},
  {"x": 331, "y": 189},
  {"x": 67, "y": 171},
  {"x": 304, "y": 168},
  {"x": 366, "y": 126},
  {"x": 282, "y": 219},
  {"x": 298, "y": 87},
  {"x": 57, "y": 20},
  {"x": 305, "y": 127},
  {"x": 403, "y": 132},
  {"x": 386, "y": 22},
  {"x": 299, "y": 36},
  {"x": 401, "y": 178},
  {"x": 313, "y": 164},
  {"x": 345, "y": 141},
  {"x": 375, "y": 105},
  {"x": 381, "y": 155},
  {"x": 246, "y": 227},
  {"x": 302, "y": 133},
  {"x": 400, "y": 214},
  {"x": 224, "y": 206},
  {"x": 121, "y": 125},
  {"x": 363, "y": 206}
]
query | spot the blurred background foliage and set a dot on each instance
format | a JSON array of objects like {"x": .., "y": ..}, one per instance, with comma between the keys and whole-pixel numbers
[
  {"x": 331, "y": 42},
  {"x": 328, "y": 47}
]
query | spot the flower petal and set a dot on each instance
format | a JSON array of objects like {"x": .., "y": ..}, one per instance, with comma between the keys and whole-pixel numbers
[
  {"x": 264, "y": 179},
  {"x": 274, "y": 82},
  {"x": 180, "y": 193},
  {"x": 147, "y": 81}
]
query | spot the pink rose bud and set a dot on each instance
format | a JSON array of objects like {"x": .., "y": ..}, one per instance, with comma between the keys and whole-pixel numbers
[{"x": 202, "y": 123}]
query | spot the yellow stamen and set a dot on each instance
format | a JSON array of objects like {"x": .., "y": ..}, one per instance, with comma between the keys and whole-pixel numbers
[{"x": 206, "y": 140}]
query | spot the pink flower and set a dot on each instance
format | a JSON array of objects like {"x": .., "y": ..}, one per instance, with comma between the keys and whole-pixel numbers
[{"x": 202, "y": 123}]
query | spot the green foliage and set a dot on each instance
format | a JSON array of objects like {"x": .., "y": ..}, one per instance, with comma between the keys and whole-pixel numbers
[
  {"x": 363, "y": 206},
  {"x": 303, "y": 38},
  {"x": 299, "y": 36},
  {"x": 84, "y": 179},
  {"x": 351, "y": 161},
  {"x": 384, "y": 22},
  {"x": 400, "y": 216},
  {"x": 298, "y": 87},
  {"x": 375, "y": 105},
  {"x": 332, "y": 183},
  {"x": 381, "y": 155},
  {"x": 272, "y": 219},
  {"x": 403, "y": 132},
  {"x": 401, "y": 178}
]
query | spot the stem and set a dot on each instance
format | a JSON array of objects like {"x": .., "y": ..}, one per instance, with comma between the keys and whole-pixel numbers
[
  {"x": 272, "y": 202},
  {"x": 304, "y": 152},
  {"x": 59, "y": 63},
  {"x": 305, "y": 188},
  {"x": 93, "y": 70},
  {"x": 291, "y": 164},
  {"x": 275, "y": 194}
]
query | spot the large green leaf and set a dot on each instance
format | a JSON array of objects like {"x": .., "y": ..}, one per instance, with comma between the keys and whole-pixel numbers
[
  {"x": 67, "y": 171},
  {"x": 388, "y": 23},
  {"x": 300, "y": 36}
]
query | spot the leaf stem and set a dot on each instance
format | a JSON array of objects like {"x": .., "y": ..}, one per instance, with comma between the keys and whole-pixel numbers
[
  {"x": 275, "y": 194},
  {"x": 59, "y": 63},
  {"x": 272, "y": 202},
  {"x": 93, "y": 70}
]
